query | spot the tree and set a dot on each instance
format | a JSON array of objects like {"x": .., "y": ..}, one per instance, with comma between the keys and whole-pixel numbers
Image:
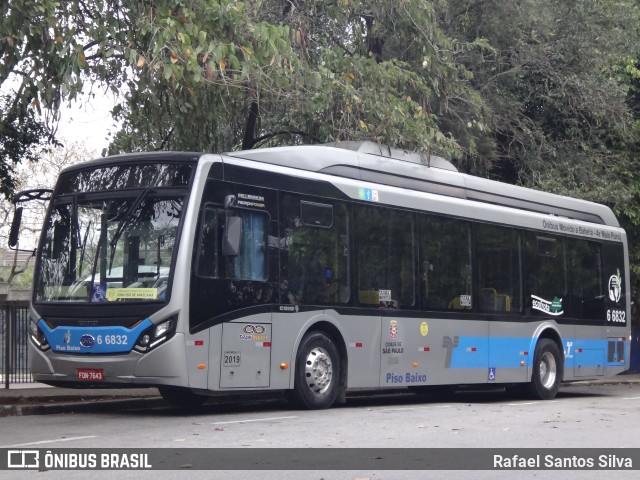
[
  {"x": 21, "y": 136},
  {"x": 559, "y": 85},
  {"x": 289, "y": 72},
  {"x": 555, "y": 104},
  {"x": 42, "y": 174},
  {"x": 220, "y": 74},
  {"x": 535, "y": 92}
]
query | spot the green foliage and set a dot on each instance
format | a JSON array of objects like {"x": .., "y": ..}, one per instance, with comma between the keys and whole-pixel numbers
[
  {"x": 560, "y": 90},
  {"x": 544, "y": 93},
  {"x": 552, "y": 95},
  {"x": 24, "y": 280},
  {"x": 20, "y": 136},
  {"x": 514, "y": 90},
  {"x": 219, "y": 74},
  {"x": 326, "y": 71}
]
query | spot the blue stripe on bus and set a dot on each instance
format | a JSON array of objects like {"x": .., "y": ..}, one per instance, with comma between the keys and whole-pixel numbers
[
  {"x": 471, "y": 352},
  {"x": 592, "y": 353},
  {"x": 508, "y": 352},
  {"x": 92, "y": 340}
]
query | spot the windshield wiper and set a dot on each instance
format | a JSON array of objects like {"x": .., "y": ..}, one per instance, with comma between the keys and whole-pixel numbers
[
  {"x": 83, "y": 247},
  {"x": 125, "y": 221}
]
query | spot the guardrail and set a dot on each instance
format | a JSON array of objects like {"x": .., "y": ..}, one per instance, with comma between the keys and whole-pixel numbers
[{"x": 14, "y": 337}]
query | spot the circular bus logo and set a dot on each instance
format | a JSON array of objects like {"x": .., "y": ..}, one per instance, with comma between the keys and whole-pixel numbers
[
  {"x": 87, "y": 340},
  {"x": 615, "y": 287}
]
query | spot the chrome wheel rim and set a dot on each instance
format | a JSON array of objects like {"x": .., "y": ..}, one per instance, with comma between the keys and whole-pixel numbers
[
  {"x": 318, "y": 370},
  {"x": 548, "y": 370}
]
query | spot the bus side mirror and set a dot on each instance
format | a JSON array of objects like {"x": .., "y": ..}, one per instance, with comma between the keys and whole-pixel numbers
[
  {"x": 15, "y": 228},
  {"x": 232, "y": 236}
]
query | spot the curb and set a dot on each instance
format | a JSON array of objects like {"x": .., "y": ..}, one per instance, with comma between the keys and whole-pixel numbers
[
  {"x": 76, "y": 407},
  {"x": 116, "y": 404}
]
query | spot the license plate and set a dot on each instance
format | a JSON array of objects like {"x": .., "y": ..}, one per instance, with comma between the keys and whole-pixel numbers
[{"x": 90, "y": 374}]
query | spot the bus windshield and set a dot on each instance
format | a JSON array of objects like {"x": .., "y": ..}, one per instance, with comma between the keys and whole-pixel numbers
[{"x": 106, "y": 248}]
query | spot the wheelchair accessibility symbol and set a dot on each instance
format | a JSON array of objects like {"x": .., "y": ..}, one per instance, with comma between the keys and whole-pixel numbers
[
  {"x": 99, "y": 293},
  {"x": 492, "y": 374}
]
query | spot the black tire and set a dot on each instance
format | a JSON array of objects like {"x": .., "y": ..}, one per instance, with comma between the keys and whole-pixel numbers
[
  {"x": 548, "y": 368},
  {"x": 318, "y": 371},
  {"x": 182, "y": 397}
]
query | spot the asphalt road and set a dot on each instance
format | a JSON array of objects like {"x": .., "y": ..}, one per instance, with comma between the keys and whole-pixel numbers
[{"x": 583, "y": 416}]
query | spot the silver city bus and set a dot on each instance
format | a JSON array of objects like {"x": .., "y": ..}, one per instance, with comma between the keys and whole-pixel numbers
[{"x": 317, "y": 269}]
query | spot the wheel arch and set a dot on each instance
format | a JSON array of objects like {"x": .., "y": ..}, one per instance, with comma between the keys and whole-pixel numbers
[{"x": 550, "y": 332}]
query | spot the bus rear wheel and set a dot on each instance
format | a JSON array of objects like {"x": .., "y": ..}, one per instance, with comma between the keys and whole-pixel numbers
[
  {"x": 318, "y": 372},
  {"x": 547, "y": 370}
]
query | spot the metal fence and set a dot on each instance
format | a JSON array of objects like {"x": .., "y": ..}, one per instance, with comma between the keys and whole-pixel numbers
[{"x": 14, "y": 340}]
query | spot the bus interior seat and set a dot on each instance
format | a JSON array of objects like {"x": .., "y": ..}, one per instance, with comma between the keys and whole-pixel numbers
[
  {"x": 488, "y": 299},
  {"x": 369, "y": 297},
  {"x": 492, "y": 301},
  {"x": 503, "y": 302},
  {"x": 456, "y": 304}
]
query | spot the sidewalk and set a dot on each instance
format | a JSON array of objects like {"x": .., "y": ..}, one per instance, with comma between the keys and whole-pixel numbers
[{"x": 39, "y": 399}]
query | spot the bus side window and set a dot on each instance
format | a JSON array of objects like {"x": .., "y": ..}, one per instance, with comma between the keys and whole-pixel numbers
[
  {"x": 385, "y": 260},
  {"x": 314, "y": 266},
  {"x": 613, "y": 276},
  {"x": 444, "y": 251},
  {"x": 545, "y": 273},
  {"x": 207, "y": 265},
  {"x": 250, "y": 262},
  {"x": 232, "y": 236},
  {"x": 498, "y": 268},
  {"x": 232, "y": 244},
  {"x": 586, "y": 297}
]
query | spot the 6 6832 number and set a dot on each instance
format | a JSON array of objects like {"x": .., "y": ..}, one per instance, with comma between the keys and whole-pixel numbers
[
  {"x": 111, "y": 339},
  {"x": 616, "y": 316}
]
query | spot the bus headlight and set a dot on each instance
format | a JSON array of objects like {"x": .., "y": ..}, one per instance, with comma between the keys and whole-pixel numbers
[
  {"x": 37, "y": 336},
  {"x": 163, "y": 329},
  {"x": 156, "y": 335}
]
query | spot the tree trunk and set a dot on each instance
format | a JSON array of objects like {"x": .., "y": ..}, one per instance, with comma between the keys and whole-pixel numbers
[{"x": 250, "y": 127}]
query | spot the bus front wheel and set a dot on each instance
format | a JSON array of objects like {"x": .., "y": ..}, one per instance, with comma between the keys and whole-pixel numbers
[
  {"x": 317, "y": 374},
  {"x": 547, "y": 370}
]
